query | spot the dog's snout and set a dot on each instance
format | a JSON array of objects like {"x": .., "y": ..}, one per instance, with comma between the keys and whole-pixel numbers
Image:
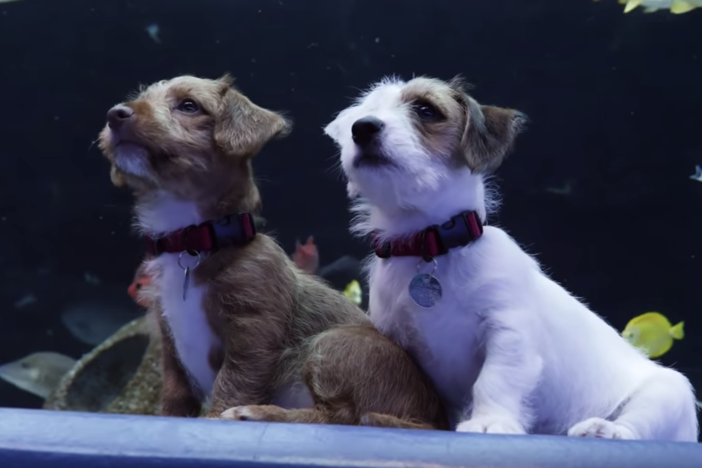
[
  {"x": 365, "y": 129},
  {"x": 117, "y": 115}
]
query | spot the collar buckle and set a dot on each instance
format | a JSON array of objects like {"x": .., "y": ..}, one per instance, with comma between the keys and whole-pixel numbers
[{"x": 461, "y": 229}]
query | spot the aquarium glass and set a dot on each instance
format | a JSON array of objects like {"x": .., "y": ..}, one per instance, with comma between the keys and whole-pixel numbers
[{"x": 604, "y": 186}]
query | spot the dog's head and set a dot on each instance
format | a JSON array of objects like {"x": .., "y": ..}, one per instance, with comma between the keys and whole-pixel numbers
[
  {"x": 186, "y": 133},
  {"x": 403, "y": 142}
]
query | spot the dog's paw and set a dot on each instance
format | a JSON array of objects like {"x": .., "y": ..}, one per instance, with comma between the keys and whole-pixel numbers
[
  {"x": 491, "y": 425},
  {"x": 243, "y": 413},
  {"x": 600, "y": 428}
]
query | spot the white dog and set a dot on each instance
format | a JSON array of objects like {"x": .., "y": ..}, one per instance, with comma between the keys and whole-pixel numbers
[{"x": 510, "y": 350}]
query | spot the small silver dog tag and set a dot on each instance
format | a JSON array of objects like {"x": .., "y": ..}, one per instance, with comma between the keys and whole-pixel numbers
[
  {"x": 425, "y": 289},
  {"x": 186, "y": 270},
  {"x": 186, "y": 282}
]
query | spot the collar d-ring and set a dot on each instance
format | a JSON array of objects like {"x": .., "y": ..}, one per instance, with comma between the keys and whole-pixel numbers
[
  {"x": 192, "y": 253},
  {"x": 435, "y": 266}
]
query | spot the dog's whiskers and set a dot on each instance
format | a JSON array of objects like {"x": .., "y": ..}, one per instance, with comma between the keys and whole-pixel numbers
[{"x": 93, "y": 143}]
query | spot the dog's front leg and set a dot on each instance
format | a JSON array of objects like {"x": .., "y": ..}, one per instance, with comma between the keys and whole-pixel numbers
[
  {"x": 177, "y": 396},
  {"x": 509, "y": 375},
  {"x": 247, "y": 373}
]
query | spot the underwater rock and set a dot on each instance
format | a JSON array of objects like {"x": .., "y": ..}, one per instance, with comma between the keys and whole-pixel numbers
[{"x": 121, "y": 375}]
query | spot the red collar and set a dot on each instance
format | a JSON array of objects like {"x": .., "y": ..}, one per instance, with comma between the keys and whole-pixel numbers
[
  {"x": 237, "y": 229},
  {"x": 435, "y": 240}
]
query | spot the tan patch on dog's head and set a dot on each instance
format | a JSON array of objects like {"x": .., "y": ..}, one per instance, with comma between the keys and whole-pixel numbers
[
  {"x": 184, "y": 133},
  {"x": 451, "y": 123}
]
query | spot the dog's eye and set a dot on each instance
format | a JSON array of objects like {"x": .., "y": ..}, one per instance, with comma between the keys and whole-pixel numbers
[
  {"x": 427, "y": 111},
  {"x": 188, "y": 106}
]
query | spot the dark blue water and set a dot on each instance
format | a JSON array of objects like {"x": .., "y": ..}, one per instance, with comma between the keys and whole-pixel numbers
[{"x": 614, "y": 102}]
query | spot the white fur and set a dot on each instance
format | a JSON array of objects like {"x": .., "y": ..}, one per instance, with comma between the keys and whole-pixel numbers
[
  {"x": 133, "y": 159},
  {"x": 187, "y": 320},
  {"x": 509, "y": 349}
]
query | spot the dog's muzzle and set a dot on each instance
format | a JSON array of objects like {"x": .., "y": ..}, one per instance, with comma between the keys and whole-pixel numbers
[{"x": 365, "y": 130}]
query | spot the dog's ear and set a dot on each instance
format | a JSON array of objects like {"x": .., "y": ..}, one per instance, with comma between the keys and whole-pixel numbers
[
  {"x": 242, "y": 128},
  {"x": 489, "y": 134},
  {"x": 117, "y": 177},
  {"x": 226, "y": 81}
]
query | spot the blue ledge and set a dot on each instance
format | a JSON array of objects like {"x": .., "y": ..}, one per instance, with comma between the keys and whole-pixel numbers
[{"x": 36, "y": 438}]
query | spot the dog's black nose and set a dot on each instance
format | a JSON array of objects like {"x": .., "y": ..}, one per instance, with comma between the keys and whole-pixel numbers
[
  {"x": 365, "y": 129},
  {"x": 117, "y": 115}
]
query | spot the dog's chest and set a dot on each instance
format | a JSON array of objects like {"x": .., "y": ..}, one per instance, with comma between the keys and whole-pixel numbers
[
  {"x": 192, "y": 334},
  {"x": 443, "y": 339}
]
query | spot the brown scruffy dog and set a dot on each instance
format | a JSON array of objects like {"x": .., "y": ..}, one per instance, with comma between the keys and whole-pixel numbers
[{"x": 243, "y": 329}]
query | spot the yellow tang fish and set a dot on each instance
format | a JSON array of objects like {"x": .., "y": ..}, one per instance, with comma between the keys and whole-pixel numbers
[
  {"x": 652, "y": 333},
  {"x": 677, "y": 7},
  {"x": 353, "y": 292}
]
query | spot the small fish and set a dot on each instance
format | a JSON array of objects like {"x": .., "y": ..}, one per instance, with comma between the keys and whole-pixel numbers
[
  {"x": 153, "y": 30},
  {"x": 140, "y": 281},
  {"x": 353, "y": 292},
  {"x": 39, "y": 373},
  {"x": 652, "y": 333},
  {"x": 7, "y": 1},
  {"x": 345, "y": 264},
  {"x": 24, "y": 301},
  {"x": 697, "y": 175},
  {"x": 94, "y": 322},
  {"x": 565, "y": 190},
  {"x": 306, "y": 256},
  {"x": 91, "y": 279},
  {"x": 260, "y": 222},
  {"x": 677, "y": 7},
  {"x": 135, "y": 287}
]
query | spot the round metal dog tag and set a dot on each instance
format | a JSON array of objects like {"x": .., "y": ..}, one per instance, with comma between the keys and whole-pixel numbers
[{"x": 425, "y": 290}]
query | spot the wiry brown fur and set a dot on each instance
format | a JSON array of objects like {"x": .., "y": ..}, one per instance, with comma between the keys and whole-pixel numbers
[
  {"x": 277, "y": 324},
  {"x": 479, "y": 135}
]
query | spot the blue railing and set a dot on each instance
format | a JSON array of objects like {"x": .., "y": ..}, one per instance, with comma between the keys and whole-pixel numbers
[{"x": 36, "y": 438}]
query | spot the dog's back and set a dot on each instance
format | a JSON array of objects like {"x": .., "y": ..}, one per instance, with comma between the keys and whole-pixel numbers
[
  {"x": 319, "y": 307},
  {"x": 588, "y": 369}
]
